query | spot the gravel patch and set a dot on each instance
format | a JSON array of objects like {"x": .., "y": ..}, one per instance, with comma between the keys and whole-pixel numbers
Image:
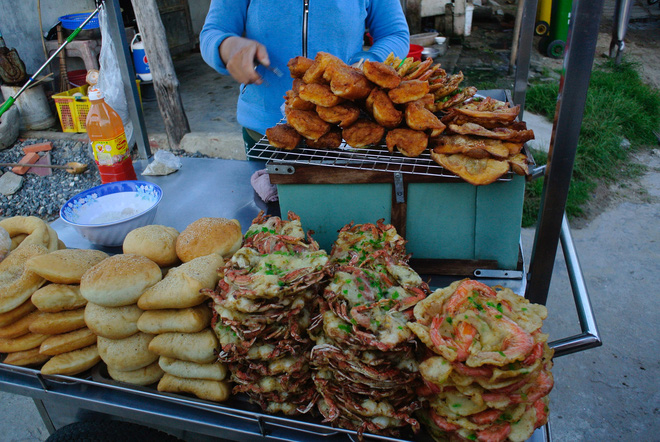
[{"x": 43, "y": 196}]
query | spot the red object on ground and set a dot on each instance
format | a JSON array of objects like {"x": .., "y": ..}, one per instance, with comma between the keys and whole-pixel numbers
[
  {"x": 416, "y": 52},
  {"x": 42, "y": 171},
  {"x": 120, "y": 171},
  {"x": 77, "y": 78},
  {"x": 41, "y": 147},
  {"x": 30, "y": 158}
]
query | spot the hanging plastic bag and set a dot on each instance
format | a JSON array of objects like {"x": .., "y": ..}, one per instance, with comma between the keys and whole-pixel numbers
[{"x": 110, "y": 81}]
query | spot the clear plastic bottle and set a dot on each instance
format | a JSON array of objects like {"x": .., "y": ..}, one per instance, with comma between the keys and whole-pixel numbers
[{"x": 108, "y": 139}]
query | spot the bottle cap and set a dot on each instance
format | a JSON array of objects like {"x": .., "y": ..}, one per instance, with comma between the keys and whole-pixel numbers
[
  {"x": 92, "y": 77},
  {"x": 94, "y": 93}
]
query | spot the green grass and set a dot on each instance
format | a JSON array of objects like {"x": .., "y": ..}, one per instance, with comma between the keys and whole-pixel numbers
[{"x": 618, "y": 105}]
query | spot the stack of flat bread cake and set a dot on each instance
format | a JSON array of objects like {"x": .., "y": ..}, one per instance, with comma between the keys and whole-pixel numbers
[
  {"x": 67, "y": 346},
  {"x": 177, "y": 313},
  {"x": 112, "y": 289}
]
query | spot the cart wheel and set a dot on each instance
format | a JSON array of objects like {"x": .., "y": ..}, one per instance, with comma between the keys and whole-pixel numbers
[
  {"x": 109, "y": 431},
  {"x": 541, "y": 28},
  {"x": 556, "y": 49}
]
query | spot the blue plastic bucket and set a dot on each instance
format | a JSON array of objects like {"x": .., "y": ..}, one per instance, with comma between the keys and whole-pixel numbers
[
  {"x": 72, "y": 21},
  {"x": 140, "y": 59}
]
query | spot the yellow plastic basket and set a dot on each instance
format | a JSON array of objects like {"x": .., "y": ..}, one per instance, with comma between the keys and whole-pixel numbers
[{"x": 73, "y": 110}]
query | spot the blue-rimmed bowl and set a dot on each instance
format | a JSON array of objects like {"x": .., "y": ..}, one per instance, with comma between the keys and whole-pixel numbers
[{"x": 105, "y": 214}]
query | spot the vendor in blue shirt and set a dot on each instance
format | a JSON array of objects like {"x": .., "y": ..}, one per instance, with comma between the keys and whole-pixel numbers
[{"x": 238, "y": 34}]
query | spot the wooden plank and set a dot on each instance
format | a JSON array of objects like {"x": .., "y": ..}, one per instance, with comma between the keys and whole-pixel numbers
[{"x": 305, "y": 174}]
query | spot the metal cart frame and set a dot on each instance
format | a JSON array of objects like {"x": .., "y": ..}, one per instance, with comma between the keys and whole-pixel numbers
[{"x": 81, "y": 399}]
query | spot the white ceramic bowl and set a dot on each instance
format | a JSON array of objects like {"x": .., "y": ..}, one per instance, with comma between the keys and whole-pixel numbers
[{"x": 105, "y": 214}]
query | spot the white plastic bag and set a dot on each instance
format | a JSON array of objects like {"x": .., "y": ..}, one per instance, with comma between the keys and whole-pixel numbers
[
  {"x": 110, "y": 81},
  {"x": 164, "y": 163}
]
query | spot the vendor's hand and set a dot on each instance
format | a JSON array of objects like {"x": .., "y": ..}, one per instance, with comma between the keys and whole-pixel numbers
[{"x": 241, "y": 55}]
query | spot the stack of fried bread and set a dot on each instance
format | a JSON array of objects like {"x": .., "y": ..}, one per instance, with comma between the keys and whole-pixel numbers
[
  {"x": 262, "y": 308},
  {"x": 112, "y": 289},
  {"x": 177, "y": 313},
  {"x": 70, "y": 345},
  {"x": 330, "y": 100},
  {"x": 22, "y": 238},
  {"x": 364, "y": 361},
  {"x": 487, "y": 371},
  {"x": 482, "y": 142}
]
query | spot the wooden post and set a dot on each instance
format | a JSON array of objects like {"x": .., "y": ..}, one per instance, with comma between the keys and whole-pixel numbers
[
  {"x": 166, "y": 84},
  {"x": 414, "y": 16}
]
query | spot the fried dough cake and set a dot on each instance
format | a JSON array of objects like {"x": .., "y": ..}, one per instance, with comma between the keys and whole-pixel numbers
[
  {"x": 363, "y": 133},
  {"x": 343, "y": 114},
  {"x": 475, "y": 147},
  {"x": 420, "y": 118},
  {"x": 299, "y": 65},
  {"x": 319, "y": 94},
  {"x": 381, "y": 74},
  {"x": 410, "y": 143},
  {"x": 307, "y": 123},
  {"x": 409, "y": 90},
  {"x": 283, "y": 136},
  {"x": 347, "y": 82},
  {"x": 476, "y": 171},
  {"x": 331, "y": 140},
  {"x": 383, "y": 109},
  {"x": 314, "y": 73}
]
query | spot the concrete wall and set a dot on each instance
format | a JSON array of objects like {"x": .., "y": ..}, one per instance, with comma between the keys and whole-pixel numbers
[
  {"x": 19, "y": 25},
  {"x": 198, "y": 10}
]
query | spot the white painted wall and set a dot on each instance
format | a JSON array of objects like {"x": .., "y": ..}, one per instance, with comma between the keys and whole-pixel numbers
[{"x": 19, "y": 25}]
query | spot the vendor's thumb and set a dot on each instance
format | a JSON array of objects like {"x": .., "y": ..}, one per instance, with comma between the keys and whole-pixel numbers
[{"x": 262, "y": 55}]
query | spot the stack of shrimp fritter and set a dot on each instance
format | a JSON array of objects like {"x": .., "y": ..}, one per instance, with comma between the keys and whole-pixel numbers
[
  {"x": 262, "y": 308},
  {"x": 364, "y": 361},
  {"x": 487, "y": 371},
  {"x": 482, "y": 141}
]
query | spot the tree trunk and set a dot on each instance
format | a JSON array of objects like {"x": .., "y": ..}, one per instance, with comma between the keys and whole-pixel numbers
[{"x": 166, "y": 84}]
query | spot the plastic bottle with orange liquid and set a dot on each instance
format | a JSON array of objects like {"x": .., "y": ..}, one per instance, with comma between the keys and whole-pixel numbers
[{"x": 108, "y": 139}]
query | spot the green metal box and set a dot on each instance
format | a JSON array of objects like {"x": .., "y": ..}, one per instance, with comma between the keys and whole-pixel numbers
[{"x": 441, "y": 220}]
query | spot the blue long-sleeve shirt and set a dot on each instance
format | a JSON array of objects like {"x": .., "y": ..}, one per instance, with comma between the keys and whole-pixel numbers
[{"x": 334, "y": 26}]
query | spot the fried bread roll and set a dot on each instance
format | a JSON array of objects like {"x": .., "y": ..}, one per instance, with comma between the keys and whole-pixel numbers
[
  {"x": 26, "y": 342},
  {"x": 363, "y": 133},
  {"x": 216, "y": 391},
  {"x": 382, "y": 74},
  {"x": 181, "y": 287},
  {"x": 55, "y": 298},
  {"x": 342, "y": 115},
  {"x": 194, "y": 347},
  {"x": 14, "y": 315},
  {"x": 26, "y": 358},
  {"x": 142, "y": 376},
  {"x": 119, "y": 280},
  {"x": 156, "y": 242},
  {"x": 307, "y": 123},
  {"x": 73, "y": 362},
  {"x": 66, "y": 342},
  {"x": 16, "y": 282},
  {"x": 37, "y": 230},
  {"x": 221, "y": 236},
  {"x": 214, "y": 371},
  {"x": 127, "y": 354},
  {"x": 299, "y": 65},
  {"x": 319, "y": 94},
  {"x": 283, "y": 136},
  {"x": 383, "y": 109},
  {"x": 20, "y": 327},
  {"x": 112, "y": 322},
  {"x": 65, "y": 266},
  {"x": 60, "y": 322},
  {"x": 331, "y": 140},
  {"x": 188, "y": 320},
  {"x": 410, "y": 143},
  {"x": 409, "y": 90}
]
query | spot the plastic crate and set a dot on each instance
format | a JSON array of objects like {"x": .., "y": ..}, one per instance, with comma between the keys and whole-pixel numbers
[{"x": 72, "y": 110}]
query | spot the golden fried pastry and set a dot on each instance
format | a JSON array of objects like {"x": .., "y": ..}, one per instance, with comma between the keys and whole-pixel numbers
[
  {"x": 410, "y": 143},
  {"x": 409, "y": 90},
  {"x": 474, "y": 171},
  {"x": 348, "y": 82},
  {"x": 342, "y": 115},
  {"x": 299, "y": 65},
  {"x": 363, "y": 133},
  {"x": 314, "y": 74},
  {"x": 283, "y": 136},
  {"x": 519, "y": 164},
  {"x": 26, "y": 357},
  {"x": 456, "y": 98},
  {"x": 17, "y": 283},
  {"x": 475, "y": 147},
  {"x": 331, "y": 140},
  {"x": 500, "y": 133},
  {"x": 293, "y": 100},
  {"x": 420, "y": 118},
  {"x": 383, "y": 75},
  {"x": 445, "y": 84},
  {"x": 383, "y": 109},
  {"x": 15, "y": 314},
  {"x": 319, "y": 94},
  {"x": 421, "y": 69},
  {"x": 307, "y": 123}
]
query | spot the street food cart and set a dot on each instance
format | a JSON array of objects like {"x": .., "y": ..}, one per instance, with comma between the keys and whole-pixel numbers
[{"x": 191, "y": 193}]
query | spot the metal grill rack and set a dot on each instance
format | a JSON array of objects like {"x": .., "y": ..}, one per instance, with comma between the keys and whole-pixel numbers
[{"x": 373, "y": 158}]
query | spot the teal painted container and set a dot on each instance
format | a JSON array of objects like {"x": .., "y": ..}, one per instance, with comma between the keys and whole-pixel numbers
[{"x": 444, "y": 220}]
